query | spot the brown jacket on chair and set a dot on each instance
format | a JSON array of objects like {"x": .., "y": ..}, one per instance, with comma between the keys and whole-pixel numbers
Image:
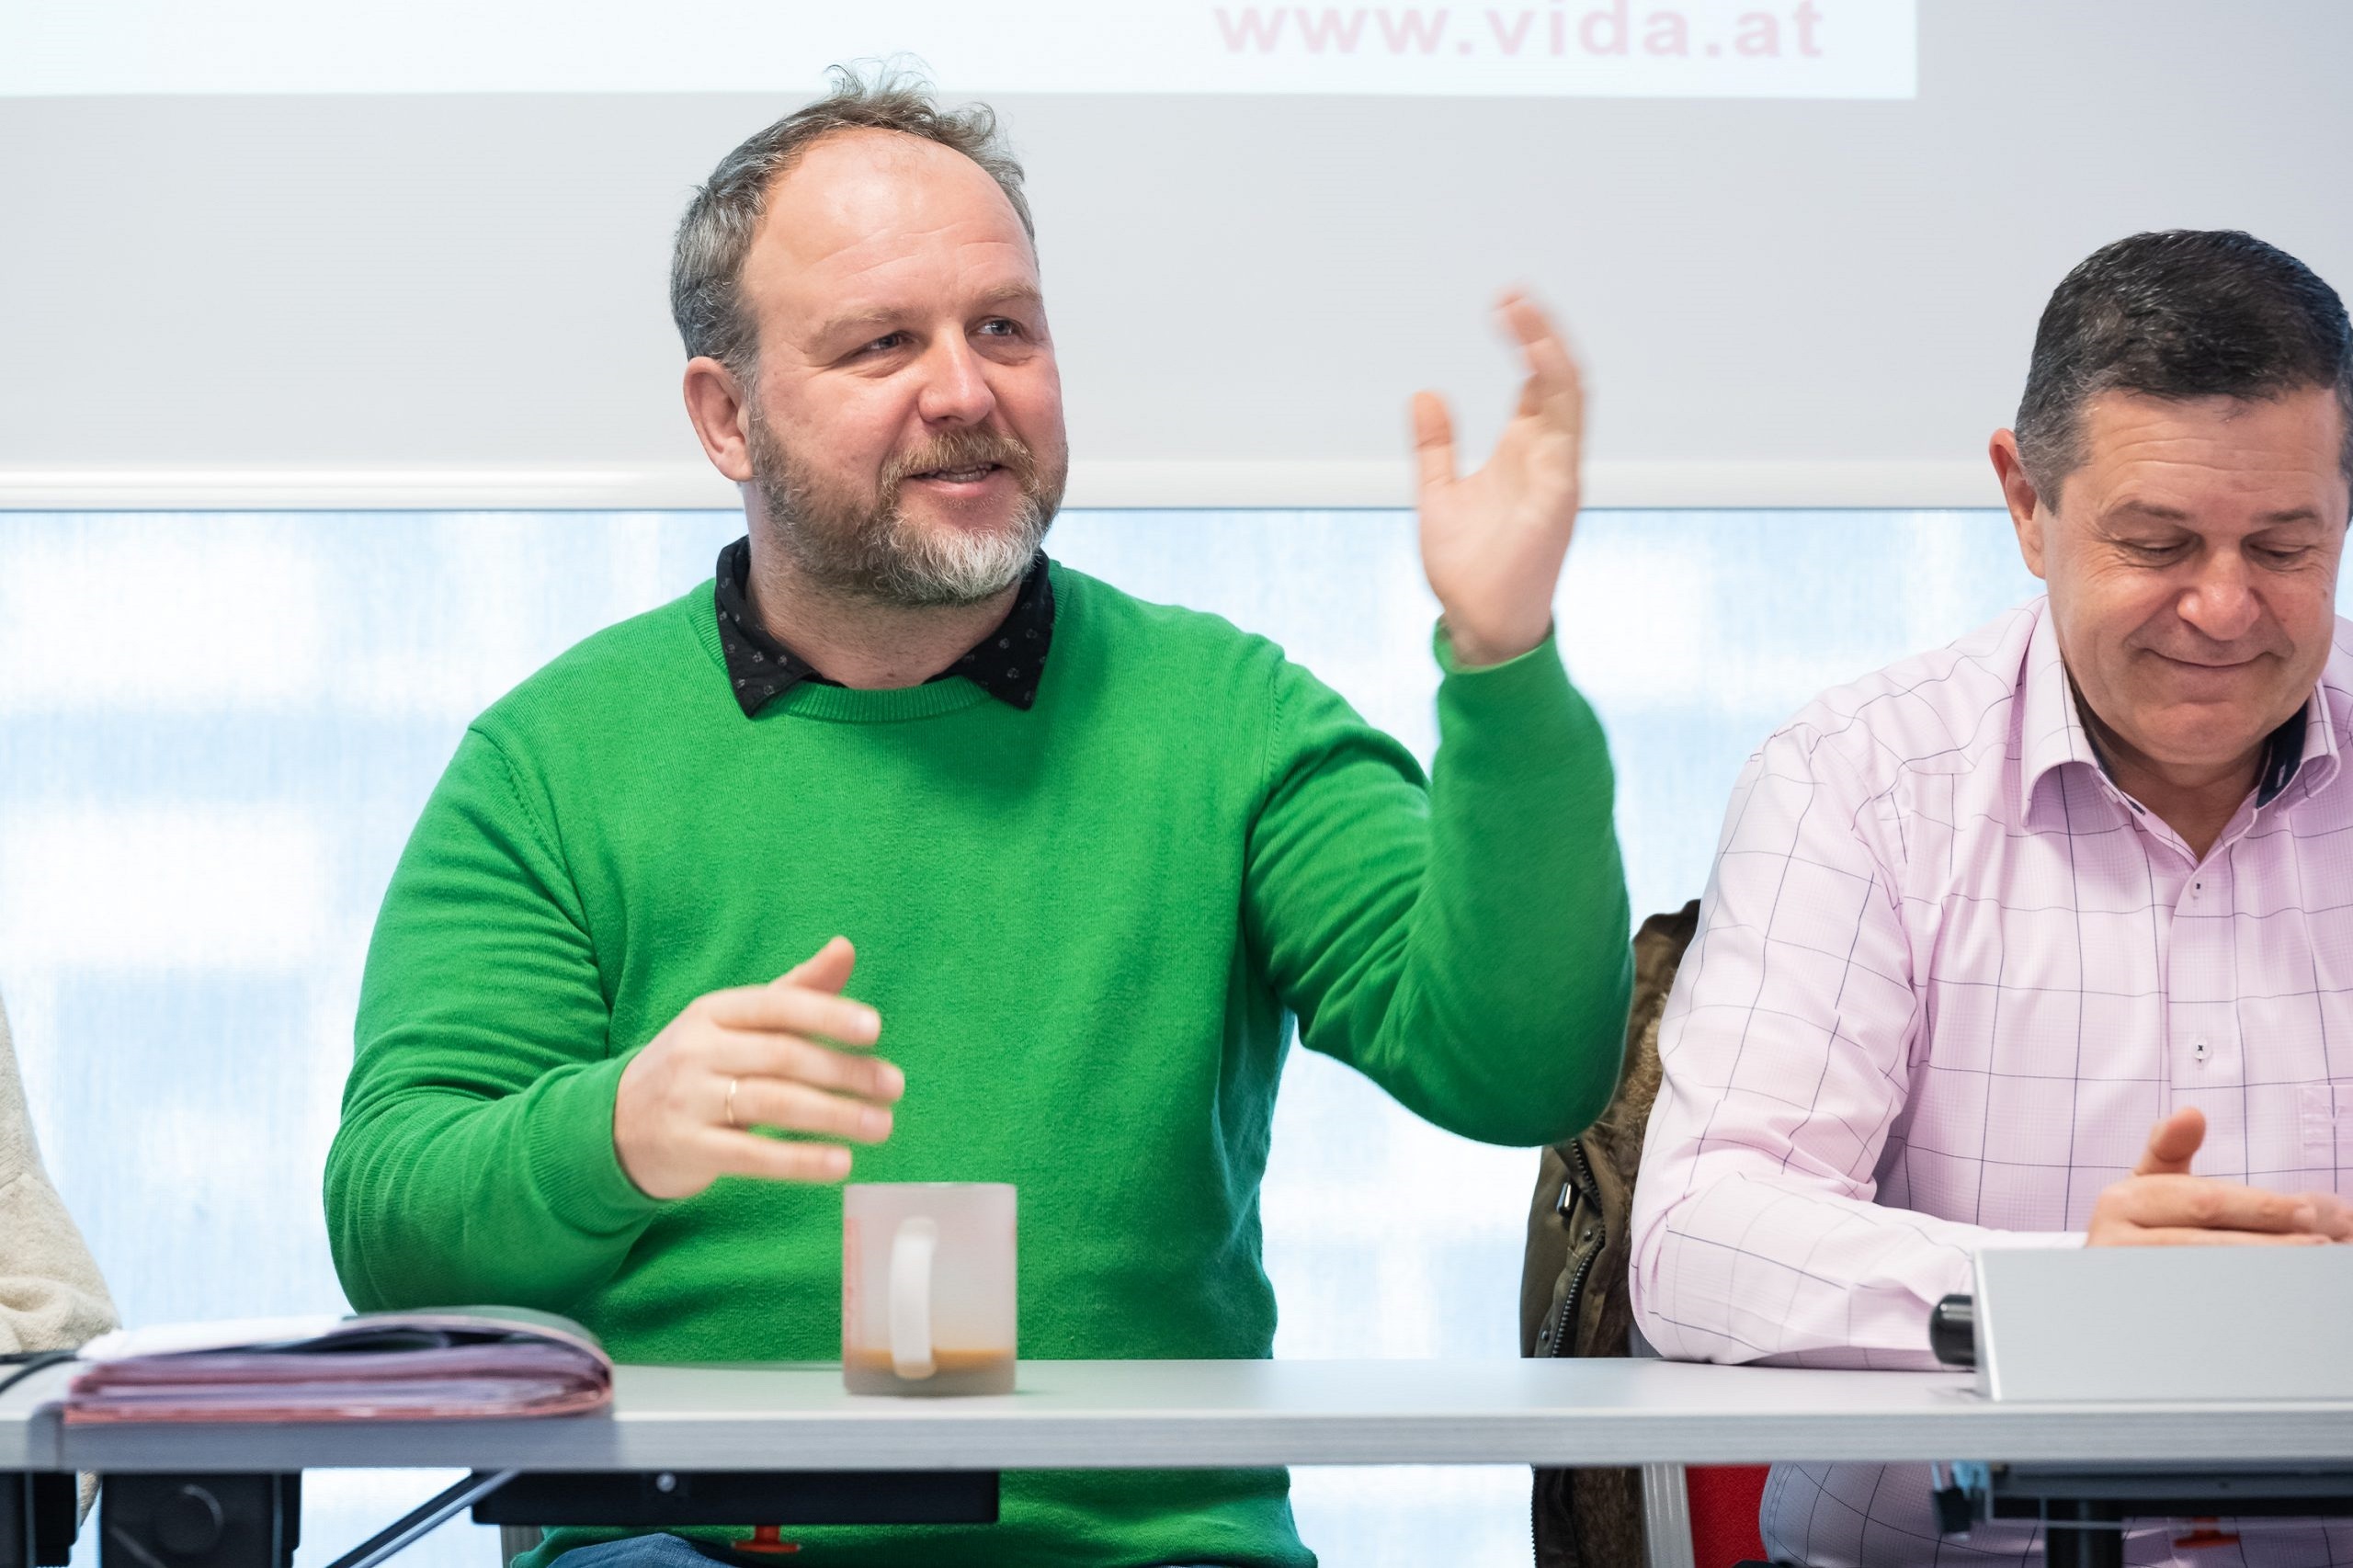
[{"x": 1573, "y": 1292}]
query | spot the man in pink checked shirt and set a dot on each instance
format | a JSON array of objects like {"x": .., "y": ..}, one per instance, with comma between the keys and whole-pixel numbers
[{"x": 2044, "y": 938}]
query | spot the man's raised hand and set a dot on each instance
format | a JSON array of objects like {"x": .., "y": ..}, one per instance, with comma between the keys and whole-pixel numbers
[
  {"x": 2160, "y": 1204},
  {"x": 1492, "y": 540},
  {"x": 757, "y": 1056}
]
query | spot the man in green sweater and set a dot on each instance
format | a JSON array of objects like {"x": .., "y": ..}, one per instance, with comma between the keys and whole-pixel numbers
[{"x": 1093, "y": 854}]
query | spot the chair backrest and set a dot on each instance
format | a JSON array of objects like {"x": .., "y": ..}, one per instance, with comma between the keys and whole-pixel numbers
[
  {"x": 1573, "y": 1294},
  {"x": 1725, "y": 1502}
]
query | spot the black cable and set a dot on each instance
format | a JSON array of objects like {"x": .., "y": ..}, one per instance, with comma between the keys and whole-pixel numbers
[{"x": 23, "y": 1364}]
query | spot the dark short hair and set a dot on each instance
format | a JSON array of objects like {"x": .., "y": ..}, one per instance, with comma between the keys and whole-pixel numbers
[
  {"x": 707, "y": 261},
  {"x": 2185, "y": 314}
]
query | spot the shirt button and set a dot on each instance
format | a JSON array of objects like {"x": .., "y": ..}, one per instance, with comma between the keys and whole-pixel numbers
[{"x": 2198, "y": 1048}]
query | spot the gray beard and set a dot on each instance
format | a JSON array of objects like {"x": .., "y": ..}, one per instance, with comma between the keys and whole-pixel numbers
[{"x": 876, "y": 553}]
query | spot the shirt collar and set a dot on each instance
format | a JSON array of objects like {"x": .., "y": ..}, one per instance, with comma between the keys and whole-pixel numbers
[
  {"x": 1008, "y": 664},
  {"x": 2052, "y": 733}
]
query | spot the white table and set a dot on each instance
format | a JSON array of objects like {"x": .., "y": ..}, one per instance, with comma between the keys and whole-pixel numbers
[{"x": 1111, "y": 1414}]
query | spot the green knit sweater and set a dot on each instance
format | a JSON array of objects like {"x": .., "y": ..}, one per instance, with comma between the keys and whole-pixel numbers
[{"x": 1084, "y": 926}]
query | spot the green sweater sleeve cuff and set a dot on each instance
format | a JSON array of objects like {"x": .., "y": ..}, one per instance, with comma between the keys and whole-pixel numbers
[
  {"x": 1442, "y": 644},
  {"x": 573, "y": 1162},
  {"x": 1536, "y": 677}
]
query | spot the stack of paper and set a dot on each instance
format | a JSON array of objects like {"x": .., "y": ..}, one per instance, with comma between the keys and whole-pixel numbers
[{"x": 463, "y": 1362}]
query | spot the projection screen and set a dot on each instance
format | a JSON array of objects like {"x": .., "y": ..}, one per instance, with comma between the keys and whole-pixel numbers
[{"x": 412, "y": 253}]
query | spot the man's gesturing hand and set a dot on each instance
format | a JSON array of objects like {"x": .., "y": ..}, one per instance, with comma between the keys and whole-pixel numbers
[
  {"x": 754, "y": 1057},
  {"x": 1492, "y": 541},
  {"x": 2160, "y": 1204}
]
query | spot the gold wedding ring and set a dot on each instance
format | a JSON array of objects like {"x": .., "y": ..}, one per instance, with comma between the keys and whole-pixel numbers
[{"x": 731, "y": 1103}]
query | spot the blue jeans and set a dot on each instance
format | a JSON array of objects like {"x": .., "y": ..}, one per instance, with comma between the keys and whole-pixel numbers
[{"x": 655, "y": 1552}]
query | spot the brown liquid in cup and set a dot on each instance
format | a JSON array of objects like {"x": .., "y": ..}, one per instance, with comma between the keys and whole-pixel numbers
[{"x": 957, "y": 1372}]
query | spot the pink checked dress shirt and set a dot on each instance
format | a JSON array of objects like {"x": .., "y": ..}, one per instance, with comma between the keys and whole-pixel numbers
[{"x": 1947, "y": 976}]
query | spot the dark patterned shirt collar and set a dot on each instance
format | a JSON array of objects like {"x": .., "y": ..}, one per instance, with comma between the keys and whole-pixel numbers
[
  {"x": 2283, "y": 751},
  {"x": 1008, "y": 664},
  {"x": 2283, "y": 755}
]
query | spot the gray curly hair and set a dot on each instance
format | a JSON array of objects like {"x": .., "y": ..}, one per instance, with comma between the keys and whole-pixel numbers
[{"x": 707, "y": 261}]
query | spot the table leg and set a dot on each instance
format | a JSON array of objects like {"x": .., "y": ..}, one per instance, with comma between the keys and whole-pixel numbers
[
  {"x": 2082, "y": 1535},
  {"x": 38, "y": 1521}
]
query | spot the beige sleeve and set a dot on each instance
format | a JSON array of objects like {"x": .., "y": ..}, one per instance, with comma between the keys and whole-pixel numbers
[{"x": 50, "y": 1294}]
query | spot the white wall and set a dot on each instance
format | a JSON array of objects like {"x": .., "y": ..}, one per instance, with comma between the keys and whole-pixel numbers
[{"x": 458, "y": 300}]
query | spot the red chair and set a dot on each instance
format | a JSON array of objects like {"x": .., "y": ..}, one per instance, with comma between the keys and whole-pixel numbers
[
  {"x": 1725, "y": 1499},
  {"x": 1703, "y": 1516}
]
